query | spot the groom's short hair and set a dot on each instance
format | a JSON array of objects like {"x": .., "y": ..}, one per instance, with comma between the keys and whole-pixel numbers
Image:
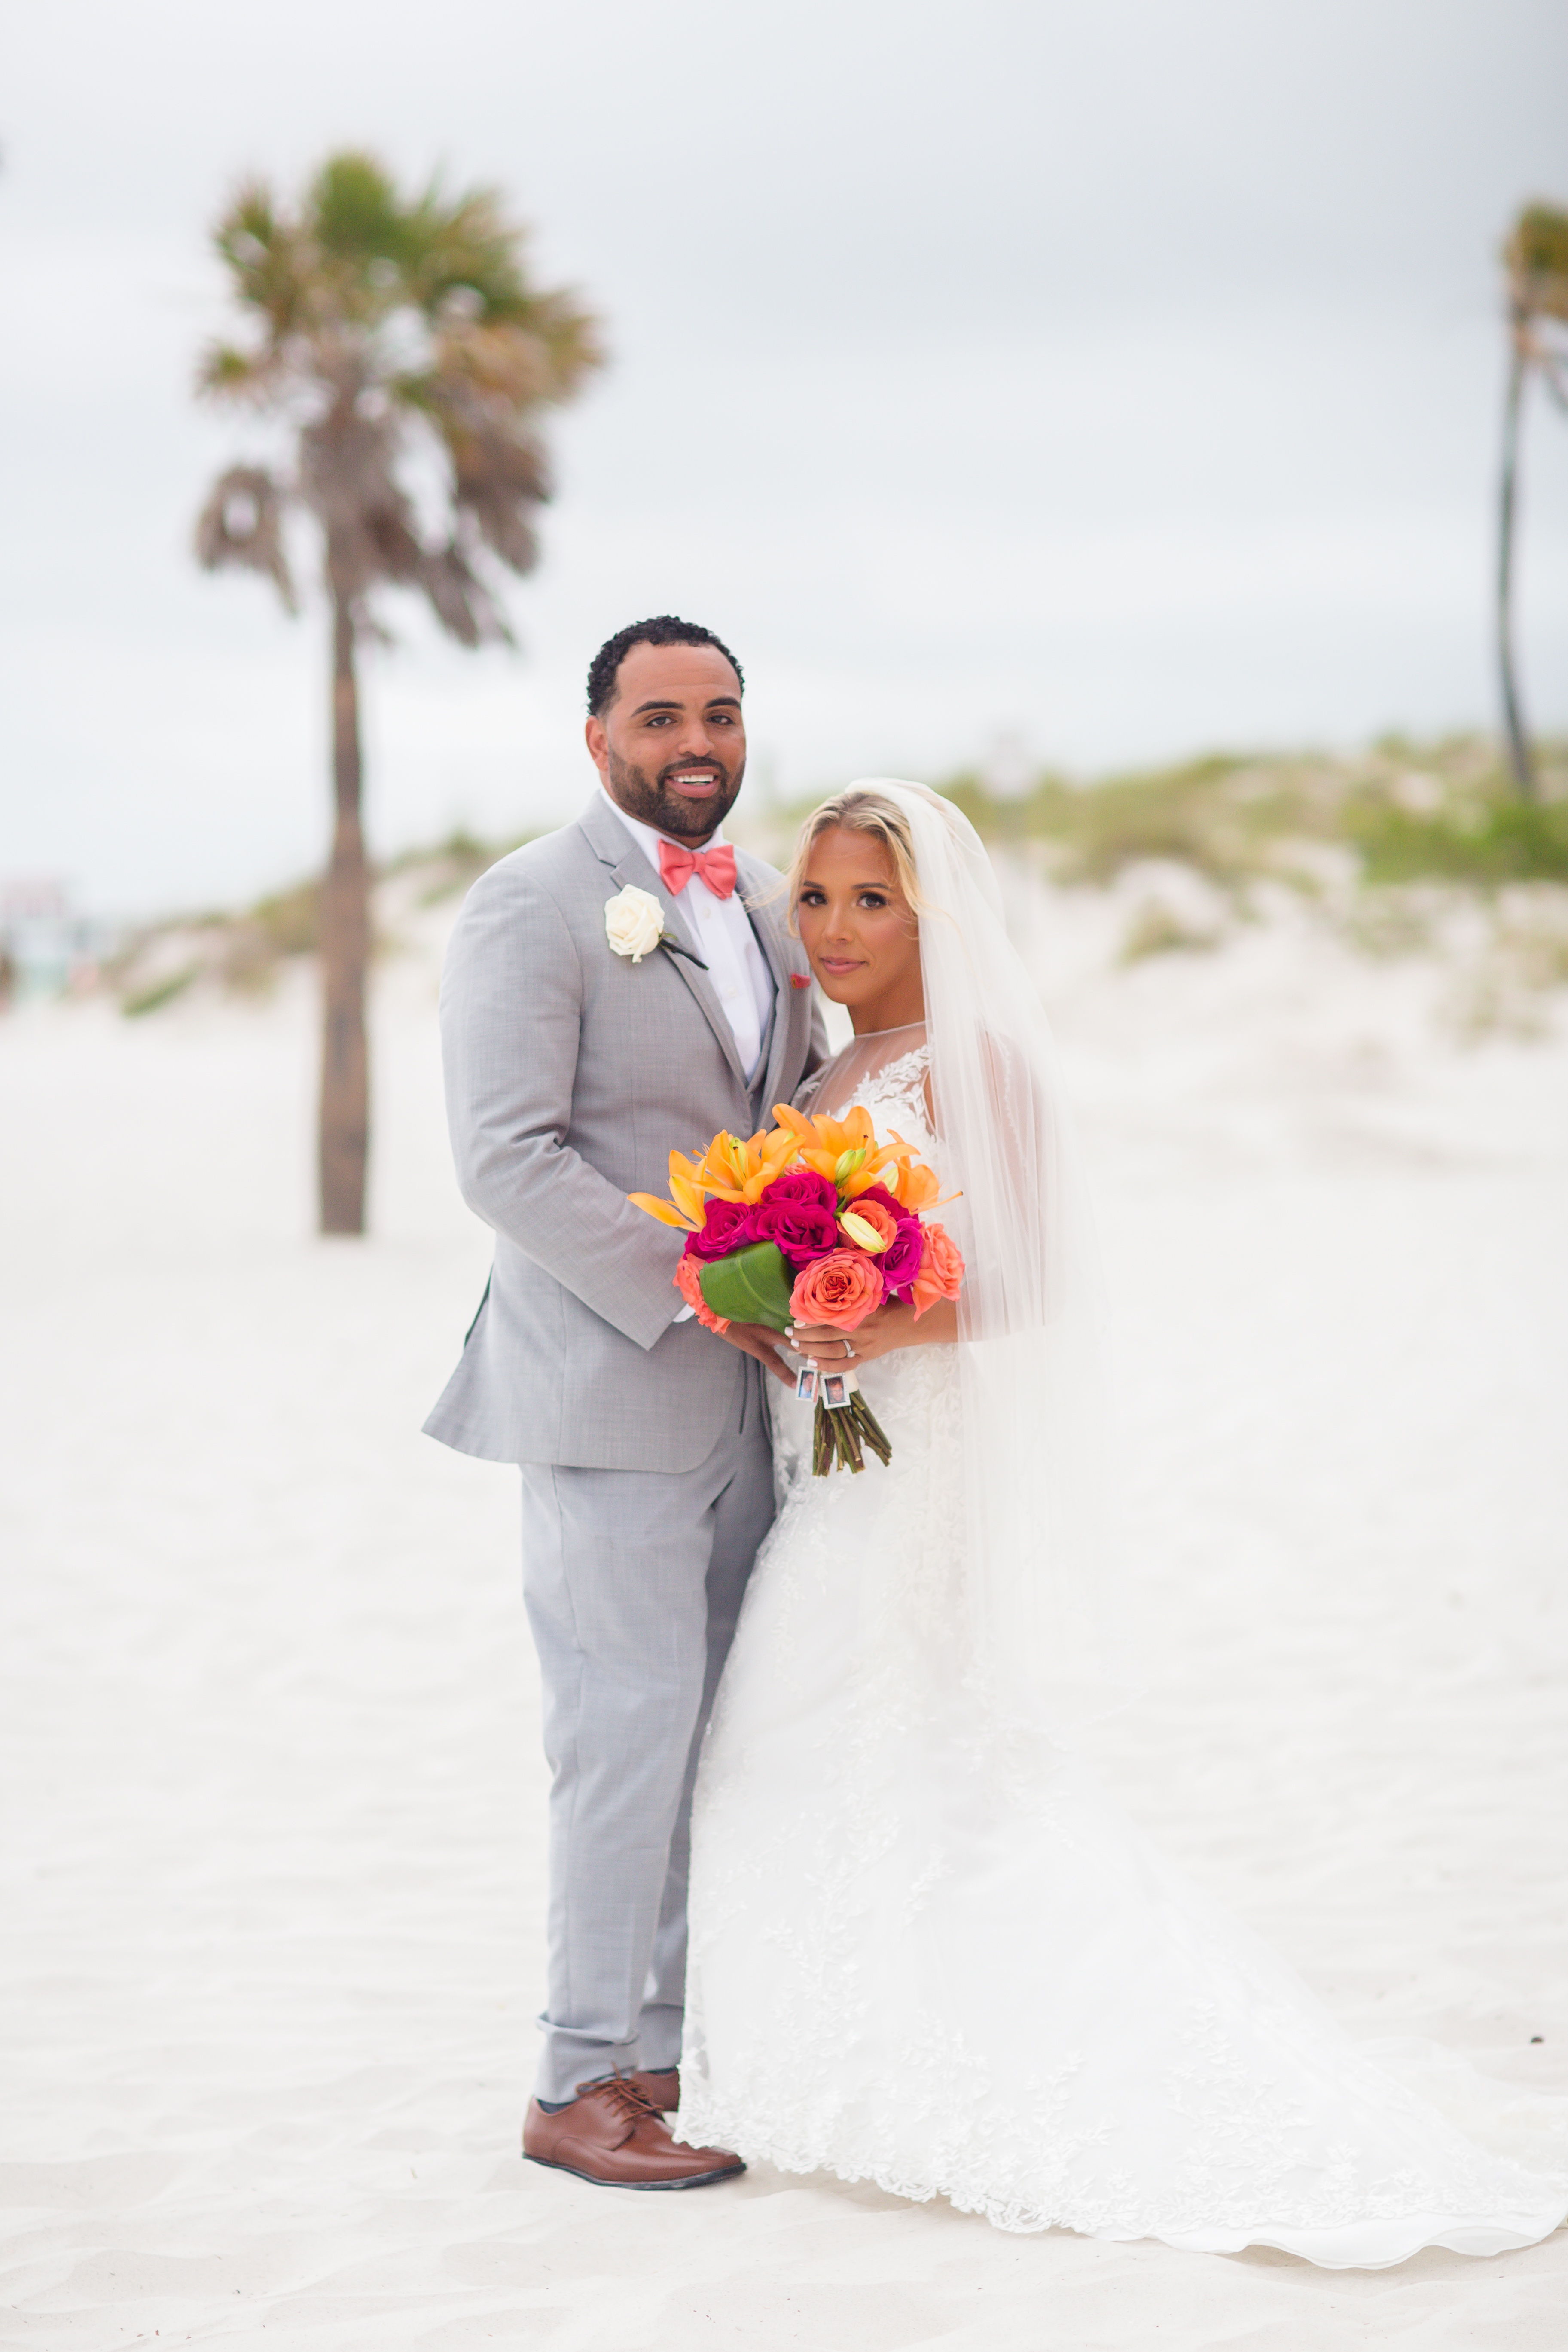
[{"x": 664, "y": 629}]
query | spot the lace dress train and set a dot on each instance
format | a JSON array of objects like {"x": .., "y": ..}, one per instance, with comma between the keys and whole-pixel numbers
[{"x": 927, "y": 1951}]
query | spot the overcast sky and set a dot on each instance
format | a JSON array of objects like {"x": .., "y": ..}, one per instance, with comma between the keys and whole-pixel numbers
[{"x": 1113, "y": 380}]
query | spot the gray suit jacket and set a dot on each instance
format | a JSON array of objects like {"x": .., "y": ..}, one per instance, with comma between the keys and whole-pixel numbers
[{"x": 572, "y": 1074}]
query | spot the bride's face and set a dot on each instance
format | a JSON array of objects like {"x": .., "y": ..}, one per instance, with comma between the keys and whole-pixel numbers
[{"x": 860, "y": 932}]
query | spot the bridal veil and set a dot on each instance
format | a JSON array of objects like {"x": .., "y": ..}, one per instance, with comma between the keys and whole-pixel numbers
[{"x": 1046, "y": 1629}]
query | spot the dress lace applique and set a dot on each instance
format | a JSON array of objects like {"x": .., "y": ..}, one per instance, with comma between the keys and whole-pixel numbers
[{"x": 898, "y": 1095}]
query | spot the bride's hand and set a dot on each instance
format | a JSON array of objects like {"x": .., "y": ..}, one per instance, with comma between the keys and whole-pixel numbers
[
  {"x": 760, "y": 1339},
  {"x": 890, "y": 1328}
]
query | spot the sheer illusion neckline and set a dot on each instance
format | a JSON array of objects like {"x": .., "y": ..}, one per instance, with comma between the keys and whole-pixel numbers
[{"x": 880, "y": 1061}]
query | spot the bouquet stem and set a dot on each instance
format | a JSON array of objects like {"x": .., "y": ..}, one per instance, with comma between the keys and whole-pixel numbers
[{"x": 840, "y": 1433}]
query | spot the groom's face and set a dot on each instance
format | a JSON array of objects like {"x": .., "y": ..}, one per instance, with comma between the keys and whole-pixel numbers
[{"x": 670, "y": 744}]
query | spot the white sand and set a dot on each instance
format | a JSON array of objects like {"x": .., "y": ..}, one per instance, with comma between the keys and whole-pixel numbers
[{"x": 272, "y": 1914}]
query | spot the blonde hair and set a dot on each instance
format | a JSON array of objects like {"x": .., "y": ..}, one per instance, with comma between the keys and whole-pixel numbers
[{"x": 858, "y": 810}]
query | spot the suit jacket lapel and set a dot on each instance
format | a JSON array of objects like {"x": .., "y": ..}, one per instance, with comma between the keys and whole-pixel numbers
[
  {"x": 767, "y": 922},
  {"x": 614, "y": 846}
]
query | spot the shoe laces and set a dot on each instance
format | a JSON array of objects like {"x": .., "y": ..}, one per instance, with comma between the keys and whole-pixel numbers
[{"x": 623, "y": 2095}]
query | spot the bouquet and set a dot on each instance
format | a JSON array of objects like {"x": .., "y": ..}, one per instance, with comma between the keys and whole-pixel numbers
[{"x": 814, "y": 1220}]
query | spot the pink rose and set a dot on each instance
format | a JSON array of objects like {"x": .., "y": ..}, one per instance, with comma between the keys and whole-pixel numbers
[
  {"x": 941, "y": 1271},
  {"x": 900, "y": 1261},
  {"x": 798, "y": 1213},
  {"x": 802, "y": 1184},
  {"x": 840, "y": 1289},
  {"x": 727, "y": 1226},
  {"x": 800, "y": 1230}
]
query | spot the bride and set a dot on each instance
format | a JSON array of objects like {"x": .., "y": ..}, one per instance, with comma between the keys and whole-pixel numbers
[{"x": 926, "y": 1950}]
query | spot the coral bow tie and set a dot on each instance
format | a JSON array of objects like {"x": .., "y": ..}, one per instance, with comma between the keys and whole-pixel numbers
[{"x": 715, "y": 866}]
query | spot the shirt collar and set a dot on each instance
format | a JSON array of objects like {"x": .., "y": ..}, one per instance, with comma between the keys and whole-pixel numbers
[{"x": 648, "y": 836}]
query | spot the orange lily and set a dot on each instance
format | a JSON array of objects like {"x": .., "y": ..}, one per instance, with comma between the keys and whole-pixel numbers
[
  {"x": 913, "y": 1184},
  {"x": 684, "y": 1208},
  {"x": 729, "y": 1170},
  {"x": 823, "y": 1144},
  {"x": 732, "y": 1170}
]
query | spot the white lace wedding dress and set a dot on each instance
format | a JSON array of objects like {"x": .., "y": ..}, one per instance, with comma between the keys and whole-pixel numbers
[{"x": 933, "y": 1955}]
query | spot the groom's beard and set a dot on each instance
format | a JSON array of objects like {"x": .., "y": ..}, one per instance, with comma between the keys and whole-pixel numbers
[{"x": 649, "y": 796}]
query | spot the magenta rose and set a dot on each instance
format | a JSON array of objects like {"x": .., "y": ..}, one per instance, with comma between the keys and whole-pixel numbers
[
  {"x": 727, "y": 1225},
  {"x": 802, "y": 1184},
  {"x": 801, "y": 1229},
  {"x": 900, "y": 1261}
]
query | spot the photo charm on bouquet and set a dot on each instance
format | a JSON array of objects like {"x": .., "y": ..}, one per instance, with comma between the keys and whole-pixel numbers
[{"x": 815, "y": 1221}]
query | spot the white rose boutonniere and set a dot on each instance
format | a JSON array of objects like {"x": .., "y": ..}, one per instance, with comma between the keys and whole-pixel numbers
[
  {"x": 634, "y": 922},
  {"x": 634, "y": 925}
]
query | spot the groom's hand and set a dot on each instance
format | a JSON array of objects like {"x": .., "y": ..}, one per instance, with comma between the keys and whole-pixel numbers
[{"x": 760, "y": 1339}]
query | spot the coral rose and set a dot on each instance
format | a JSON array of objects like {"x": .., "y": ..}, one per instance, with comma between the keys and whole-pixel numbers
[
  {"x": 941, "y": 1271},
  {"x": 841, "y": 1289},
  {"x": 869, "y": 1226},
  {"x": 689, "y": 1282},
  {"x": 727, "y": 1226}
]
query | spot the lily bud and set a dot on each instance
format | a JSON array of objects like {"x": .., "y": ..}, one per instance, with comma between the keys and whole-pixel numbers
[{"x": 862, "y": 1232}]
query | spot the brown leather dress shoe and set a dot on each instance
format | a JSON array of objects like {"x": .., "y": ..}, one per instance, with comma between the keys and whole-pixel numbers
[
  {"x": 660, "y": 2088},
  {"x": 613, "y": 2135}
]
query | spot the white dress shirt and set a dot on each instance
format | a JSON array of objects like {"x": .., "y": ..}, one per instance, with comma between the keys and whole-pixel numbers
[{"x": 723, "y": 937}]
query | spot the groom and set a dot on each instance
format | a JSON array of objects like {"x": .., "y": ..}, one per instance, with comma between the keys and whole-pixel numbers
[{"x": 574, "y": 1067}]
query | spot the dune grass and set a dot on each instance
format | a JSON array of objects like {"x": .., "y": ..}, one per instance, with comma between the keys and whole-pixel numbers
[
  {"x": 1369, "y": 823},
  {"x": 1490, "y": 840},
  {"x": 243, "y": 950},
  {"x": 1404, "y": 812},
  {"x": 160, "y": 992}
]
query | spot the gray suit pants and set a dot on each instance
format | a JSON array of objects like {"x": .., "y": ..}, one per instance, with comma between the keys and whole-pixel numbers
[{"x": 633, "y": 1580}]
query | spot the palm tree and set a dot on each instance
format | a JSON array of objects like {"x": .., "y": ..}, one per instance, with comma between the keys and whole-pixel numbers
[
  {"x": 380, "y": 323},
  {"x": 1536, "y": 259}
]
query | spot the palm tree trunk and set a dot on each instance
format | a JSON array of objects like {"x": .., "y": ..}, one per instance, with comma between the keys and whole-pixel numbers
[
  {"x": 345, "y": 941},
  {"x": 1518, "y": 742}
]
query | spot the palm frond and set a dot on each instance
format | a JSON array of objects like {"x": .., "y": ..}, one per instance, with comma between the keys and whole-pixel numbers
[
  {"x": 466, "y": 242},
  {"x": 1536, "y": 257},
  {"x": 241, "y": 525},
  {"x": 348, "y": 477},
  {"x": 499, "y": 476},
  {"x": 570, "y": 336},
  {"x": 354, "y": 215},
  {"x": 377, "y": 313},
  {"x": 267, "y": 259},
  {"x": 226, "y": 373},
  {"x": 462, "y": 603}
]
